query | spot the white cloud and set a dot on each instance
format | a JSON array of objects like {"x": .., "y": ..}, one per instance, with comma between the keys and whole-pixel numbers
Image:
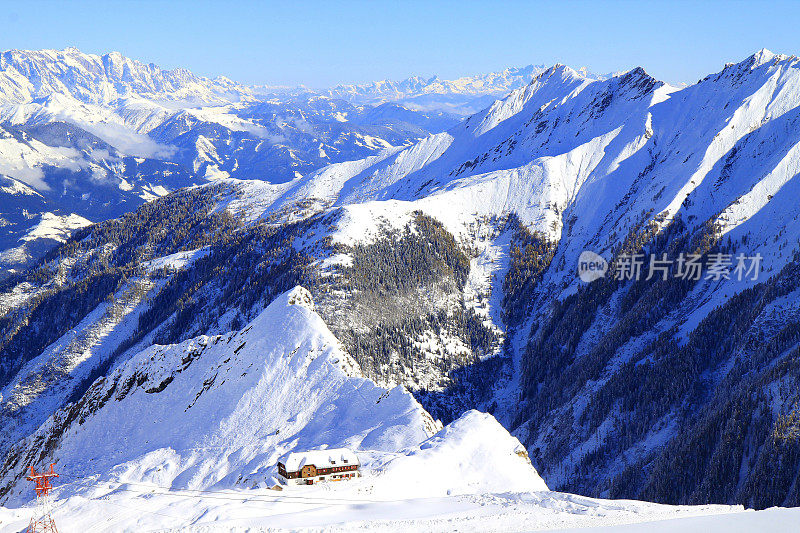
[
  {"x": 129, "y": 142},
  {"x": 31, "y": 176}
]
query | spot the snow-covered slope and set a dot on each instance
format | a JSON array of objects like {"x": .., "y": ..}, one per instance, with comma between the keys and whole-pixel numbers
[
  {"x": 26, "y": 75},
  {"x": 133, "y": 508},
  {"x": 486, "y": 458},
  {"x": 51, "y": 230},
  {"x": 55, "y": 227},
  {"x": 99, "y": 135},
  {"x": 471, "y": 476},
  {"x": 449, "y": 265},
  {"x": 626, "y": 163},
  {"x": 173, "y": 415}
]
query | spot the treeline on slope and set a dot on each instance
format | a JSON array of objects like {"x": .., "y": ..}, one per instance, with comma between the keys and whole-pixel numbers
[
  {"x": 530, "y": 255},
  {"x": 240, "y": 275},
  {"x": 243, "y": 269},
  {"x": 421, "y": 271},
  {"x": 177, "y": 222},
  {"x": 551, "y": 372},
  {"x": 719, "y": 425},
  {"x": 410, "y": 280},
  {"x": 396, "y": 289},
  {"x": 402, "y": 260},
  {"x": 414, "y": 278},
  {"x": 734, "y": 446},
  {"x": 473, "y": 385},
  {"x": 102, "y": 259},
  {"x": 552, "y": 345}
]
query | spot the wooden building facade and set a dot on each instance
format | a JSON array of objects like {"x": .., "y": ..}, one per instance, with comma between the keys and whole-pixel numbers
[{"x": 313, "y": 466}]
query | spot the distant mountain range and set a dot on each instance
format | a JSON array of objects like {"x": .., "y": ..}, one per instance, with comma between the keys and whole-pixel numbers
[
  {"x": 463, "y": 96},
  {"x": 97, "y": 136}
]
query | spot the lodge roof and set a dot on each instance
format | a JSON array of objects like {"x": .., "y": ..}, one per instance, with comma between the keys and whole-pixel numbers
[{"x": 294, "y": 461}]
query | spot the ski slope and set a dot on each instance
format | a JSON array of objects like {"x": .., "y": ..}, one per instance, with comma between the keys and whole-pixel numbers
[
  {"x": 218, "y": 411},
  {"x": 348, "y": 507},
  {"x": 470, "y": 476},
  {"x": 160, "y": 444}
]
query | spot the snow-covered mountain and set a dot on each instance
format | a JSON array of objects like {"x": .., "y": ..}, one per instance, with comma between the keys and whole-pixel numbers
[
  {"x": 98, "y": 136},
  {"x": 449, "y": 266},
  {"x": 460, "y": 97},
  {"x": 27, "y": 75},
  {"x": 463, "y": 96},
  {"x": 194, "y": 430},
  {"x": 627, "y": 164},
  {"x": 243, "y": 398}
]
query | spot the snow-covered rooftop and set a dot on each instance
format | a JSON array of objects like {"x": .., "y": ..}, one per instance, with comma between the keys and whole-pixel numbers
[{"x": 294, "y": 461}]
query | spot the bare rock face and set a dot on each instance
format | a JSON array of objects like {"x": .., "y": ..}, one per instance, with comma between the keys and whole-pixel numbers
[{"x": 300, "y": 296}]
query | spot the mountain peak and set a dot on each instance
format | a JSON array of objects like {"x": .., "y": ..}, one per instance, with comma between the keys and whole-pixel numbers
[
  {"x": 761, "y": 57},
  {"x": 95, "y": 79},
  {"x": 637, "y": 73},
  {"x": 764, "y": 56},
  {"x": 301, "y": 297},
  {"x": 560, "y": 70}
]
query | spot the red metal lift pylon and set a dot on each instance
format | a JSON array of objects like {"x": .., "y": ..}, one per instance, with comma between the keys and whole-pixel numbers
[{"x": 42, "y": 522}]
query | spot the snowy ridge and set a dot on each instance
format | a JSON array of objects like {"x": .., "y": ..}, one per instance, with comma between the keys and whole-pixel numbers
[
  {"x": 498, "y": 83},
  {"x": 584, "y": 164},
  {"x": 240, "y": 399},
  {"x": 496, "y": 153},
  {"x": 26, "y": 75},
  {"x": 566, "y": 146},
  {"x": 588, "y": 163}
]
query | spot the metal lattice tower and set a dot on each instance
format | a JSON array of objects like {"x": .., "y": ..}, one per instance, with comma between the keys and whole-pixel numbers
[{"x": 42, "y": 522}]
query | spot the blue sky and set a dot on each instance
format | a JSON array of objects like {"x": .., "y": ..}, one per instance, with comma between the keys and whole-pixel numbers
[{"x": 324, "y": 43}]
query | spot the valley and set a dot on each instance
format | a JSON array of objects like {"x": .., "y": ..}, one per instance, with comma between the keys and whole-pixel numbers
[{"x": 201, "y": 276}]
